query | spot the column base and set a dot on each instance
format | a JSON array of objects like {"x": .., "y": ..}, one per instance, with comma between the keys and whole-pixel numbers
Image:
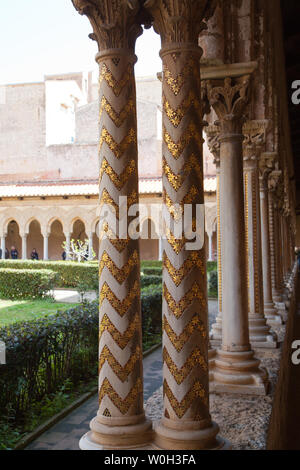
[
  {"x": 212, "y": 353},
  {"x": 215, "y": 335},
  {"x": 238, "y": 372},
  {"x": 260, "y": 334},
  {"x": 282, "y": 311},
  {"x": 167, "y": 438},
  {"x": 105, "y": 437}
]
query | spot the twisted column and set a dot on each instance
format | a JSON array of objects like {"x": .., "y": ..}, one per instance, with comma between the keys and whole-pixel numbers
[
  {"x": 186, "y": 422},
  {"x": 236, "y": 369},
  {"x": 260, "y": 333},
  {"x": 213, "y": 143},
  {"x": 266, "y": 165},
  {"x": 120, "y": 422}
]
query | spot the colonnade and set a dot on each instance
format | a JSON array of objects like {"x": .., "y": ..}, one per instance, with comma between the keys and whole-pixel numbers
[{"x": 251, "y": 282}]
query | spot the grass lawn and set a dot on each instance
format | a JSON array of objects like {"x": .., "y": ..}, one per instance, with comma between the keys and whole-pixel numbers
[{"x": 12, "y": 311}]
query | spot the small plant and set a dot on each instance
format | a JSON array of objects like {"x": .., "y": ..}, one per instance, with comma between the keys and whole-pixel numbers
[
  {"x": 82, "y": 289},
  {"x": 79, "y": 250}
]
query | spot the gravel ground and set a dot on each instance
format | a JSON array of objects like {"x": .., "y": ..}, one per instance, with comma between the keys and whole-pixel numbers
[{"x": 243, "y": 420}]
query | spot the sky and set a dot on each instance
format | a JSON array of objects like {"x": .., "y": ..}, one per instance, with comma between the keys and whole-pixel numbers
[{"x": 44, "y": 37}]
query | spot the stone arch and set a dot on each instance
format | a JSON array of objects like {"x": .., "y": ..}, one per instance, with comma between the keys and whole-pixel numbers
[
  {"x": 13, "y": 236},
  {"x": 56, "y": 238},
  {"x": 78, "y": 229},
  {"x": 35, "y": 238}
]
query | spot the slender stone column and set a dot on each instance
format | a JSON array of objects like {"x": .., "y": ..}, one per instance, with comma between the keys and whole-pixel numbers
[
  {"x": 24, "y": 246},
  {"x": 260, "y": 333},
  {"x": 68, "y": 245},
  {"x": 236, "y": 369},
  {"x": 186, "y": 422},
  {"x": 274, "y": 181},
  {"x": 266, "y": 164},
  {"x": 90, "y": 246},
  {"x": 160, "y": 249},
  {"x": 210, "y": 248},
  {"x": 120, "y": 422},
  {"x": 3, "y": 247},
  {"x": 213, "y": 143},
  {"x": 46, "y": 247}
]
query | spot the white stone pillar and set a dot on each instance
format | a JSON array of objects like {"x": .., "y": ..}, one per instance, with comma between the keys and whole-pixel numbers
[
  {"x": 210, "y": 247},
  {"x": 236, "y": 370},
  {"x": 3, "y": 246},
  {"x": 68, "y": 245},
  {"x": 260, "y": 334},
  {"x": 90, "y": 246},
  {"x": 46, "y": 247},
  {"x": 24, "y": 246},
  {"x": 266, "y": 164},
  {"x": 160, "y": 249}
]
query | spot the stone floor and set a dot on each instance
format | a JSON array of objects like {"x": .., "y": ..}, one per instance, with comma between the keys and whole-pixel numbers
[{"x": 66, "y": 434}]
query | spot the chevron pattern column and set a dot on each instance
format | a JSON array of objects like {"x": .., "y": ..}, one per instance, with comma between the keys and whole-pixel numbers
[
  {"x": 186, "y": 422},
  {"x": 260, "y": 334},
  {"x": 120, "y": 422}
]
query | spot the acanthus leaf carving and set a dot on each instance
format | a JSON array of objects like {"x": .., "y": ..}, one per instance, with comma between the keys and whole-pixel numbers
[
  {"x": 213, "y": 142},
  {"x": 114, "y": 22},
  {"x": 229, "y": 98},
  {"x": 180, "y": 21},
  {"x": 254, "y": 139}
]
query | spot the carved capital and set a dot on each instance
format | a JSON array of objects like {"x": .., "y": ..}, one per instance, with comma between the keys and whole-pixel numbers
[
  {"x": 180, "y": 21},
  {"x": 254, "y": 140},
  {"x": 213, "y": 142},
  {"x": 266, "y": 165},
  {"x": 275, "y": 185},
  {"x": 229, "y": 98},
  {"x": 114, "y": 22}
]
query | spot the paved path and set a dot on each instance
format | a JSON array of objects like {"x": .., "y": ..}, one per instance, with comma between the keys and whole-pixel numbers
[
  {"x": 66, "y": 434},
  {"x": 71, "y": 296}
]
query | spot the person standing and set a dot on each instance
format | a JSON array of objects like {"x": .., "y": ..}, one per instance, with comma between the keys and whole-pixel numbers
[
  {"x": 34, "y": 255},
  {"x": 14, "y": 253},
  {"x": 7, "y": 253}
]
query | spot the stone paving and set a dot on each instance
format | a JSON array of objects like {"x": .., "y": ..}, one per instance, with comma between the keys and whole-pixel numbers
[{"x": 66, "y": 434}]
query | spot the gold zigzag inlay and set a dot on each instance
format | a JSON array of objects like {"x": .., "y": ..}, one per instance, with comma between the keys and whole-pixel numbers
[
  {"x": 117, "y": 118},
  {"x": 176, "y": 115},
  {"x": 176, "y": 148},
  {"x": 121, "y": 306},
  {"x": 121, "y": 372},
  {"x": 181, "y": 407},
  {"x": 177, "y": 275},
  {"x": 176, "y": 83},
  {"x": 120, "y": 274},
  {"x": 179, "y": 341},
  {"x": 116, "y": 85},
  {"x": 117, "y": 149},
  {"x": 176, "y": 209},
  {"x": 176, "y": 243},
  {"x": 196, "y": 359},
  {"x": 122, "y": 405},
  {"x": 118, "y": 180},
  {"x": 118, "y": 243},
  {"x": 178, "y": 308},
  {"x": 106, "y": 199},
  {"x": 121, "y": 339},
  {"x": 177, "y": 180}
]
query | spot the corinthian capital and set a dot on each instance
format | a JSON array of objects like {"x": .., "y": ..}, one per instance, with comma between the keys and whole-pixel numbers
[
  {"x": 213, "y": 142},
  {"x": 114, "y": 22},
  {"x": 254, "y": 139},
  {"x": 229, "y": 98},
  {"x": 180, "y": 21},
  {"x": 267, "y": 162}
]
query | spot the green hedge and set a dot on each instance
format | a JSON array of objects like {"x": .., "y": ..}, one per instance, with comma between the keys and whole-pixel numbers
[
  {"x": 70, "y": 272},
  {"x": 151, "y": 298},
  {"x": 26, "y": 283},
  {"x": 155, "y": 271},
  {"x": 212, "y": 266},
  {"x": 151, "y": 264},
  {"x": 150, "y": 280}
]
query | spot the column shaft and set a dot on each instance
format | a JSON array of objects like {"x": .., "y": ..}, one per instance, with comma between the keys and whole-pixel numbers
[
  {"x": 3, "y": 247},
  {"x": 186, "y": 422},
  {"x": 46, "y": 247},
  {"x": 236, "y": 370},
  {"x": 24, "y": 247}
]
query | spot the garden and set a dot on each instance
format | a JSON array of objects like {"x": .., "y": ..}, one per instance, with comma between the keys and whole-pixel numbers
[{"x": 51, "y": 347}]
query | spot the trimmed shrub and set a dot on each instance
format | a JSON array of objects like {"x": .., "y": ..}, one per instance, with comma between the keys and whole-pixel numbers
[
  {"x": 155, "y": 271},
  {"x": 42, "y": 354},
  {"x": 151, "y": 299},
  {"x": 70, "y": 272},
  {"x": 150, "y": 280},
  {"x": 26, "y": 283},
  {"x": 213, "y": 283},
  {"x": 212, "y": 266},
  {"x": 151, "y": 264}
]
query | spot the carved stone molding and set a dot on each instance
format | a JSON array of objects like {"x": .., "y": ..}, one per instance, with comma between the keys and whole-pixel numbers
[
  {"x": 267, "y": 162},
  {"x": 180, "y": 21},
  {"x": 114, "y": 22},
  {"x": 275, "y": 181},
  {"x": 229, "y": 98},
  {"x": 213, "y": 142}
]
